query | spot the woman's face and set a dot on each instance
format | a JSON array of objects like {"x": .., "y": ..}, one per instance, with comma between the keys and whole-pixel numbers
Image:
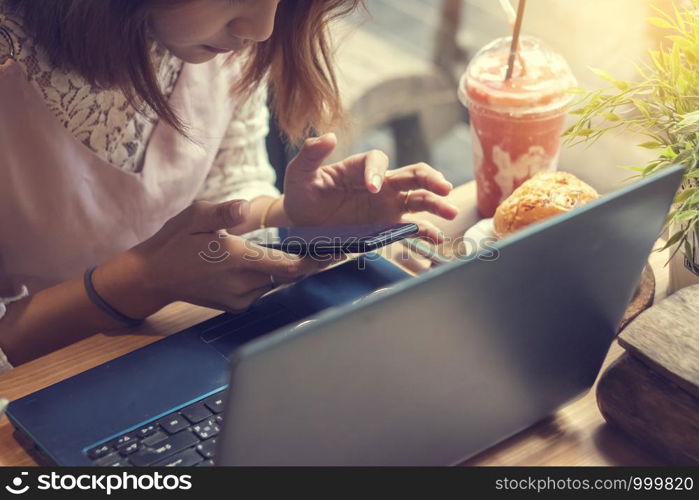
[{"x": 198, "y": 30}]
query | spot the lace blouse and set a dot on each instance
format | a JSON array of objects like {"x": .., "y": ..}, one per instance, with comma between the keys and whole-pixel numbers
[{"x": 104, "y": 121}]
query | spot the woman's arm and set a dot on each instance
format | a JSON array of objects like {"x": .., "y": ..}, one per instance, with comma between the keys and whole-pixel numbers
[
  {"x": 63, "y": 314},
  {"x": 276, "y": 216},
  {"x": 165, "y": 268}
]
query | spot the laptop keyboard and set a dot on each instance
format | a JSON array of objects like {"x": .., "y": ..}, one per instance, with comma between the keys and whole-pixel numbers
[{"x": 182, "y": 439}]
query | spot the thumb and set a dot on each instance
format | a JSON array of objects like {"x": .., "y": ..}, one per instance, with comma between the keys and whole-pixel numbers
[
  {"x": 209, "y": 217},
  {"x": 314, "y": 152}
]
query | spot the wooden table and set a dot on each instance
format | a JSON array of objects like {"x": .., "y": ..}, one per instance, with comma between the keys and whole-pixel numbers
[{"x": 576, "y": 435}]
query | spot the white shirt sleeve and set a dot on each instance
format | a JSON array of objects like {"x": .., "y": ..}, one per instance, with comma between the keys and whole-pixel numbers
[
  {"x": 242, "y": 169},
  {"x": 4, "y": 301}
]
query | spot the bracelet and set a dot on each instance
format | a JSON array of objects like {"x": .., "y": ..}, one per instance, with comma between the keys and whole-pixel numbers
[
  {"x": 102, "y": 304},
  {"x": 265, "y": 214},
  {"x": 5, "y": 301}
]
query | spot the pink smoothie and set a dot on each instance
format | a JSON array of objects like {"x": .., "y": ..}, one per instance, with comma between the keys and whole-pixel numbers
[{"x": 516, "y": 124}]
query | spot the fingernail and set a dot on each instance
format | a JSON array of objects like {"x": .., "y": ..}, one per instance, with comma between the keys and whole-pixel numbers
[
  {"x": 239, "y": 209},
  {"x": 377, "y": 181}
]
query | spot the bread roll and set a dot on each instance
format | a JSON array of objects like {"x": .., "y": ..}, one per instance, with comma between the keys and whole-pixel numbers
[{"x": 544, "y": 195}]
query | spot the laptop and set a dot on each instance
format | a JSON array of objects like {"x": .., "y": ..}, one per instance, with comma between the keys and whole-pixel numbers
[{"x": 363, "y": 365}]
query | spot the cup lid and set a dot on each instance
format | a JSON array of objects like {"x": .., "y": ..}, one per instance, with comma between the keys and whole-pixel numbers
[{"x": 540, "y": 81}]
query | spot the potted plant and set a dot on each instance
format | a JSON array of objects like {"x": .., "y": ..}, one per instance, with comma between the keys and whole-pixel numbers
[{"x": 662, "y": 106}]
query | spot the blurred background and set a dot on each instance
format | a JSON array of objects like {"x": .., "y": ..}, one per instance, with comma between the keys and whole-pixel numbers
[{"x": 399, "y": 64}]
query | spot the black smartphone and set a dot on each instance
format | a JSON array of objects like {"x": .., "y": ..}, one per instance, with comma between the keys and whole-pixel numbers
[{"x": 325, "y": 240}]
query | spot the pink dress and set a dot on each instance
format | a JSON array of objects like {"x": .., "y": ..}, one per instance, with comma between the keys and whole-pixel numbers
[{"x": 63, "y": 209}]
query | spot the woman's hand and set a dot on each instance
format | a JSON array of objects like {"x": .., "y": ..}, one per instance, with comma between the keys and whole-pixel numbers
[
  {"x": 193, "y": 259},
  {"x": 361, "y": 190}
]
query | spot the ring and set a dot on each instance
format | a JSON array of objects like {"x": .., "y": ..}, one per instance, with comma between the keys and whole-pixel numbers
[
  {"x": 405, "y": 200},
  {"x": 272, "y": 281}
]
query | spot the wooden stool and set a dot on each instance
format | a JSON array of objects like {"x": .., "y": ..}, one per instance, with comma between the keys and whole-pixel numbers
[{"x": 652, "y": 391}]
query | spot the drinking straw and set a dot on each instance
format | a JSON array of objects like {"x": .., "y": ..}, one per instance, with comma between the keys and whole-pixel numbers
[
  {"x": 509, "y": 12},
  {"x": 515, "y": 39}
]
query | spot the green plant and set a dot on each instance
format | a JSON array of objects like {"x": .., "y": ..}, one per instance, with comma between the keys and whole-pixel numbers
[{"x": 663, "y": 106}]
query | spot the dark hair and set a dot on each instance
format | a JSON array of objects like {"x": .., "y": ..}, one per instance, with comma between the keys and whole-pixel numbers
[{"x": 106, "y": 41}]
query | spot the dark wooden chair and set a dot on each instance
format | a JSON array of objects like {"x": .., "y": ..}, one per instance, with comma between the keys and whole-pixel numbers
[{"x": 384, "y": 85}]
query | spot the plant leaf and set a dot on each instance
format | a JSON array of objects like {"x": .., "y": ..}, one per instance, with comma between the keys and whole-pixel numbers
[
  {"x": 673, "y": 239},
  {"x": 604, "y": 75},
  {"x": 659, "y": 23},
  {"x": 685, "y": 194},
  {"x": 611, "y": 117},
  {"x": 651, "y": 145},
  {"x": 630, "y": 167},
  {"x": 685, "y": 216}
]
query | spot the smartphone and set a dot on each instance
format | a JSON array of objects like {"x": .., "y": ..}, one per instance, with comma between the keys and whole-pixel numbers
[{"x": 325, "y": 240}]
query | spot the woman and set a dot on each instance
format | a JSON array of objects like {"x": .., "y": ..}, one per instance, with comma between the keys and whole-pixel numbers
[{"x": 132, "y": 139}]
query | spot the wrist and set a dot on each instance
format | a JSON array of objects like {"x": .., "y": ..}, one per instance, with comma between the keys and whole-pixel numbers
[
  {"x": 275, "y": 214},
  {"x": 265, "y": 216},
  {"x": 123, "y": 283}
]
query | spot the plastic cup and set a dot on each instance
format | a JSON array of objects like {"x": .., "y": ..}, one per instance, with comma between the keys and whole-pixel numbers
[{"x": 516, "y": 125}]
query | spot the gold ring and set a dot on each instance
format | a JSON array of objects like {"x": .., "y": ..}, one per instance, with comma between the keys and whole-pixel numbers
[{"x": 405, "y": 200}]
